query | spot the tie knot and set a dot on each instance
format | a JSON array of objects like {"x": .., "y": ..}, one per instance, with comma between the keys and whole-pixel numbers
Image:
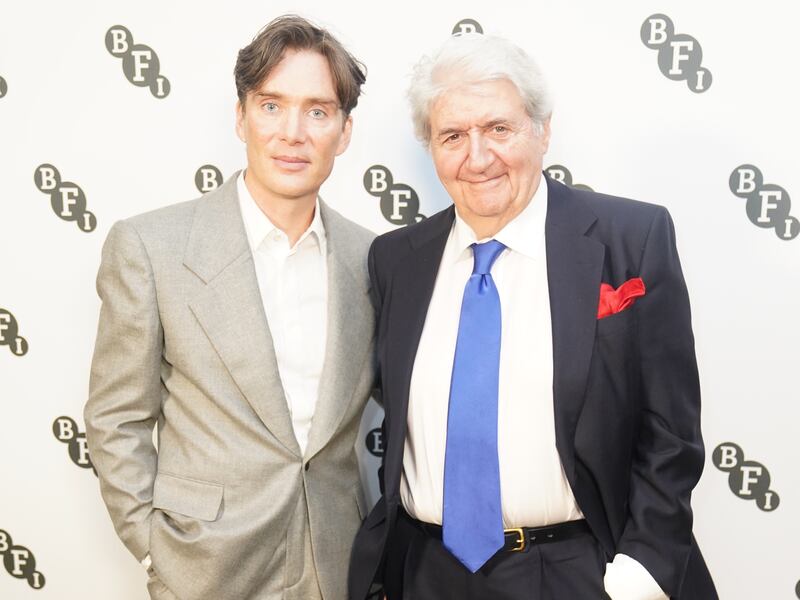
[{"x": 485, "y": 254}]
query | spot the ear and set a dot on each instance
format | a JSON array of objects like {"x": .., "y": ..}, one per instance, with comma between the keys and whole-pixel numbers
[
  {"x": 240, "y": 121},
  {"x": 545, "y": 136},
  {"x": 347, "y": 132}
]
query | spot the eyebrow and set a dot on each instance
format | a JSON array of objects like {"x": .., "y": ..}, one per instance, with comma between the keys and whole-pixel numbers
[
  {"x": 450, "y": 130},
  {"x": 316, "y": 100},
  {"x": 495, "y": 122}
]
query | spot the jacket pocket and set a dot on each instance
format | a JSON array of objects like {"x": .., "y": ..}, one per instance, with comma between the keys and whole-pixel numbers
[
  {"x": 616, "y": 323},
  {"x": 189, "y": 497}
]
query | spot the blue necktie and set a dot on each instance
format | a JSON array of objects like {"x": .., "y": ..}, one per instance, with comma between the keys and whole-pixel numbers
[{"x": 472, "y": 519}]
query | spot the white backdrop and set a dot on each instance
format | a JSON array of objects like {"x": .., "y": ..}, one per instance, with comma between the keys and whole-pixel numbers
[{"x": 620, "y": 126}]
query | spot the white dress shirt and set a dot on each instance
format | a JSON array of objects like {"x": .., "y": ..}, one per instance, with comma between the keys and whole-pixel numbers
[
  {"x": 534, "y": 488},
  {"x": 294, "y": 289},
  {"x": 534, "y": 492}
]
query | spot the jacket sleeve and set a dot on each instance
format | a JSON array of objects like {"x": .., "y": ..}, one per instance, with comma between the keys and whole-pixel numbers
[
  {"x": 376, "y": 296},
  {"x": 365, "y": 576},
  {"x": 669, "y": 453},
  {"x": 125, "y": 386}
]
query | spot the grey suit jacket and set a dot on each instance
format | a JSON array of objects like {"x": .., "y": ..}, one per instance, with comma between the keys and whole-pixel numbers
[{"x": 183, "y": 342}]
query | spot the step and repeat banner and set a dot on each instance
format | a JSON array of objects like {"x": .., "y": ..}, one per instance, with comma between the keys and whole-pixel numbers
[{"x": 112, "y": 109}]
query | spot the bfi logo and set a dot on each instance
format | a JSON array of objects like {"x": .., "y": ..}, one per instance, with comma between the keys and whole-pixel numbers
[
  {"x": 207, "y": 178},
  {"x": 9, "y": 334},
  {"x": 467, "y": 26},
  {"x": 66, "y": 431},
  {"x": 66, "y": 198},
  {"x": 561, "y": 174},
  {"x": 747, "y": 479},
  {"x": 399, "y": 202},
  {"x": 3, "y": 87},
  {"x": 374, "y": 442},
  {"x": 679, "y": 55},
  {"x": 768, "y": 205},
  {"x": 20, "y": 562},
  {"x": 140, "y": 63}
]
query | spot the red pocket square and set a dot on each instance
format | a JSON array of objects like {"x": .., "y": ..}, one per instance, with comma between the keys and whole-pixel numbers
[{"x": 613, "y": 301}]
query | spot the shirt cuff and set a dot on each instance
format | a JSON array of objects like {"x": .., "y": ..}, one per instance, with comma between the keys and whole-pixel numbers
[
  {"x": 146, "y": 562},
  {"x": 627, "y": 579}
]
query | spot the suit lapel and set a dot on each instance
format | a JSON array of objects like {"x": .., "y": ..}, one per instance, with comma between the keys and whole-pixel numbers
[
  {"x": 412, "y": 288},
  {"x": 230, "y": 309},
  {"x": 574, "y": 269},
  {"x": 350, "y": 331}
]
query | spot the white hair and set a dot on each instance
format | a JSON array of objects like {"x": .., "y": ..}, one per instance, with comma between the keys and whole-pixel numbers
[{"x": 474, "y": 58}]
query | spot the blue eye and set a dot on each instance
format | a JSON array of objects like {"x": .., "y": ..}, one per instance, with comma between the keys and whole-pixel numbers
[
  {"x": 318, "y": 114},
  {"x": 270, "y": 106}
]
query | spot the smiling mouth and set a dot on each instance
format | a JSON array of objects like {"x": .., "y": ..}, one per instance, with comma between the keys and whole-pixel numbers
[{"x": 486, "y": 182}]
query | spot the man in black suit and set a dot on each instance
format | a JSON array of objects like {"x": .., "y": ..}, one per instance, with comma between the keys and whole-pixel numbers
[{"x": 542, "y": 429}]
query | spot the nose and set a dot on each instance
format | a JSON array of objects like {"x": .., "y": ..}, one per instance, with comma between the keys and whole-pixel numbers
[
  {"x": 480, "y": 156},
  {"x": 292, "y": 130}
]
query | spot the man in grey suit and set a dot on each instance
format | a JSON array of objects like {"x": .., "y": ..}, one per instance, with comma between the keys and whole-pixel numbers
[{"x": 240, "y": 324}]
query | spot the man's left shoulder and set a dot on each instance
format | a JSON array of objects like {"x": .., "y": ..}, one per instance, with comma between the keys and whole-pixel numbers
[
  {"x": 619, "y": 213},
  {"x": 619, "y": 219}
]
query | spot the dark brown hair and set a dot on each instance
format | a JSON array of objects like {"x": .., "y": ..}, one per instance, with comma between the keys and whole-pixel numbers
[{"x": 291, "y": 32}]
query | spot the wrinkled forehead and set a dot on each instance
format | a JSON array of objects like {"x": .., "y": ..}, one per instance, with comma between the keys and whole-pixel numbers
[{"x": 475, "y": 102}]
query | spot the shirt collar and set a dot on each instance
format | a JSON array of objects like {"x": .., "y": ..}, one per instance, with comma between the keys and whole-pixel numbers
[
  {"x": 522, "y": 234},
  {"x": 258, "y": 226}
]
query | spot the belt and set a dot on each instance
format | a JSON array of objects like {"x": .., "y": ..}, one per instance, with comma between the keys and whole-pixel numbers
[{"x": 519, "y": 539}]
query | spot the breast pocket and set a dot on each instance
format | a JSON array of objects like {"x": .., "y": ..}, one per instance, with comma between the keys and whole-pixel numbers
[
  {"x": 189, "y": 497},
  {"x": 617, "y": 323}
]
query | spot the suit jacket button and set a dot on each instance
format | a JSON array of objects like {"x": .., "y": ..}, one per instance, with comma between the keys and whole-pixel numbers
[{"x": 307, "y": 465}]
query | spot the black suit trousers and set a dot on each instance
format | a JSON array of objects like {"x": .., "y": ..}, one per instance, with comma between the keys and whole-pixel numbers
[{"x": 419, "y": 567}]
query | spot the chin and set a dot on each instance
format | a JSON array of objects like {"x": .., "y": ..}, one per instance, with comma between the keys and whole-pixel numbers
[
  {"x": 293, "y": 193},
  {"x": 489, "y": 207},
  {"x": 294, "y": 188}
]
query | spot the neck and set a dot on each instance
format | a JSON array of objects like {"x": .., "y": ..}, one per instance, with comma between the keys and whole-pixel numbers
[
  {"x": 291, "y": 215},
  {"x": 487, "y": 227}
]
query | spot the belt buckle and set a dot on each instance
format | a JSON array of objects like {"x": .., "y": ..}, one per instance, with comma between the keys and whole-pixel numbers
[{"x": 520, "y": 539}]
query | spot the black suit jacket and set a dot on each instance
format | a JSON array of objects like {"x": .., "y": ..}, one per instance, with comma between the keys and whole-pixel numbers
[{"x": 625, "y": 387}]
